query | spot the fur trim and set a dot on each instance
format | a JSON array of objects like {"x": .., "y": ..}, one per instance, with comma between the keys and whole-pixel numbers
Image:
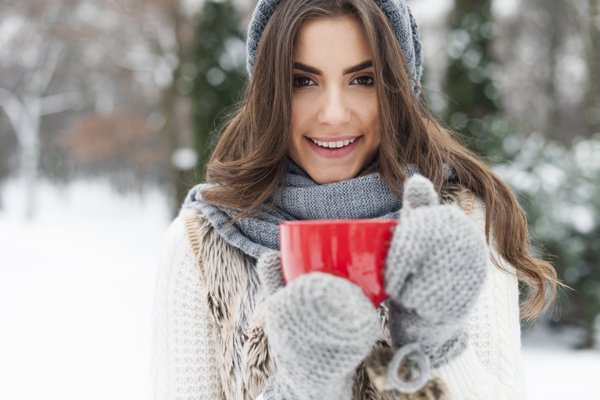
[
  {"x": 455, "y": 193},
  {"x": 434, "y": 390},
  {"x": 364, "y": 387},
  {"x": 259, "y": 364},
  {"x": 236, "y": 303},
  {"x": 191, "y": 222},
  {"x": 232, "y": 294},
  {"x": 377, "y": 368}
]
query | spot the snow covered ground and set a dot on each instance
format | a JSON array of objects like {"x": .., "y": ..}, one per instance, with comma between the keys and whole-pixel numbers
[
  {"x": 76, "y": 292},
  {"x": 555, "y": 371},
  {"x": 561, "y": 374}
]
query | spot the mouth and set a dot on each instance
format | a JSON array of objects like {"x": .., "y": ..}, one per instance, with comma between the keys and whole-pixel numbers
[
  {"x": 329, "y": 144},
  {"x": 333, "y": 147}
]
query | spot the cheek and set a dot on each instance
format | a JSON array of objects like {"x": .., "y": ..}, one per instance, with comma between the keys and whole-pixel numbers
[
  {"x": 368, "y": 113},
  {"x": 296, "y": 121},
  {"x": 302, "y": 116},
  {"x": 373, "y": 121},
  {"x": 298, "y": 126}
]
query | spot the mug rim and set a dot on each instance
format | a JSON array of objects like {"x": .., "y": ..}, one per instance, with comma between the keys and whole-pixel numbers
[{"x": 313, "y": 222}]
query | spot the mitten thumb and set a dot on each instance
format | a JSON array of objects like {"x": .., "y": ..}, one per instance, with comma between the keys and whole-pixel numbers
[
  {"x": 419, "y": 192},
  {"x": 269, "y": 272}
]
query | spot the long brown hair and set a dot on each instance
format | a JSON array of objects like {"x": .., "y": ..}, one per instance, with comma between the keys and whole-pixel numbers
[{"x": 249, "y": 162}]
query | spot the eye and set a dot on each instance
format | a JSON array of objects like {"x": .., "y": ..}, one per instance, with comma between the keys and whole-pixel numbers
[
  {"x": 364, "y": 80},
  {"x": 303, "y": 81}
]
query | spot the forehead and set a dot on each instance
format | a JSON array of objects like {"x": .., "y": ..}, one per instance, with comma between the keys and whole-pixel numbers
[{"x": 331, "y": 43}]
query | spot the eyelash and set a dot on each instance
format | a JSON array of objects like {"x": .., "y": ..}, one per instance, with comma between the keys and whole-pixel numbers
[{"x": 302, "y": 77}]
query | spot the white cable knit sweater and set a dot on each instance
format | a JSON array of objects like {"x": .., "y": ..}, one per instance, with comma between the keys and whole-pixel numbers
[{"x": 184, "y": 352}]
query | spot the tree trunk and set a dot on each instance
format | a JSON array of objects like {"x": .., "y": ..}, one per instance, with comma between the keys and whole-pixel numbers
[
  {"x": 592, "y": 89},
  {"x": 172, "y": 130}
]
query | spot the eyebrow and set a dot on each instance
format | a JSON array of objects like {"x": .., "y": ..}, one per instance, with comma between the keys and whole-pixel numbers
[{"x": 312, "y": 70}]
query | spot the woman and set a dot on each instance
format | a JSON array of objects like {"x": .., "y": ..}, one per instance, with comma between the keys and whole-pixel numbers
[{"x": 332, "y": 127}]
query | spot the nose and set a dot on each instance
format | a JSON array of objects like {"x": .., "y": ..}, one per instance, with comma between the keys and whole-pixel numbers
[{"x": 333, "y": 111}]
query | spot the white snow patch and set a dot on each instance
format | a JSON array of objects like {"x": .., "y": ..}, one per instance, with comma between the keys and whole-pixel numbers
[
  {"x": 553, "y": 370},
  {"x": 505, "y": 8},
  {"x": 554, "y": 374},
  {"x": 76, "y": 292}
]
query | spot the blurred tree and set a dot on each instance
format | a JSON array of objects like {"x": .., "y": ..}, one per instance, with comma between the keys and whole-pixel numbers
[
  {"x": 218, "y": 73},
  {"x": 3, "y": 165},
  {"x": 120, "y": 57},
  {"x": 549, "y": 52},
  {"x": 31, "y": 97},
  {"x": 550, "y": 67},
  {"x": 175, "y": 116},
  {"x": 586, "y": 20},
  {"x": 548, "y": 85},
  {"x": 4, "y": 153},
  {"x": 469, "y": 82},
  {"x": 560, "y": 191},
  {"x": 123, "y": 141}
]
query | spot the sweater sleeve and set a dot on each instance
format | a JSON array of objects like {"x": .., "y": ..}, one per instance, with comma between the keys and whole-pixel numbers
[
  {"x": 491, "y": 367},
  {"x": 183, "y": 352}
]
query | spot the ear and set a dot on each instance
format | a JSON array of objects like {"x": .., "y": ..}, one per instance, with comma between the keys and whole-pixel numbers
[
  {"x": 419, "y": 192},
  {"x": 269, "y": 272}
]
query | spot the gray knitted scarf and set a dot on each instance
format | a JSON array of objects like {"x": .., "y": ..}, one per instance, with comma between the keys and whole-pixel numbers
[{"x": 367, "y": 197}]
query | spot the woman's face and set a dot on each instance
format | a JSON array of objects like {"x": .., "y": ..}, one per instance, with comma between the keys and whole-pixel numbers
[{"x": 335, "y": 125}]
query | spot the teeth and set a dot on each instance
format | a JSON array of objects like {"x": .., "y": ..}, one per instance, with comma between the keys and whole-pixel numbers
[{"x": 333, "y": 145}]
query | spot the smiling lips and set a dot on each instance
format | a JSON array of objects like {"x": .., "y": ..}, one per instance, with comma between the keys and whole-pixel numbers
[
  {"x": 328, "y": 142},
  {"x": 327, "y": 148},
  {"x": 333, "y": 145}
]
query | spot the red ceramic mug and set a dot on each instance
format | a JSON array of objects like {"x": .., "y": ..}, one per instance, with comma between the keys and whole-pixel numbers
[{"x": 352, "y": 249}]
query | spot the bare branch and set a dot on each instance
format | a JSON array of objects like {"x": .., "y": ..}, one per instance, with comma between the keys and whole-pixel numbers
[
  {"x": 136, "y": 61},
  {"x": 12, "y": 106},
  {"x": 46, "y": 68},
  {"x": 61, "y": 102}
]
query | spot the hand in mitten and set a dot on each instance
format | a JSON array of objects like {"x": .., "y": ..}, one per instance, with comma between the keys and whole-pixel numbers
[
  {"x": 434, "y": 272},
  {"x": 320, "y": 328}
]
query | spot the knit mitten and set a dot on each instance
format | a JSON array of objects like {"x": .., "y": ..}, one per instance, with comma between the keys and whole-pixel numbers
[
  {"x": 320, "y": 328},
  {"x": 435, "y": 270}
]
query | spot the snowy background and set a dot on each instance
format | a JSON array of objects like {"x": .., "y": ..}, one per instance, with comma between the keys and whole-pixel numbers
[
  {"x": 76, "y": 291},
  {"x": 97, "y": 99},
  {"x": 76, "y": 294}
]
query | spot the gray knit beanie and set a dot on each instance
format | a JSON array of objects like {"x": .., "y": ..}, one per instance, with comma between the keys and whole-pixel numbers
[{"x": 396, "y": 11}]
